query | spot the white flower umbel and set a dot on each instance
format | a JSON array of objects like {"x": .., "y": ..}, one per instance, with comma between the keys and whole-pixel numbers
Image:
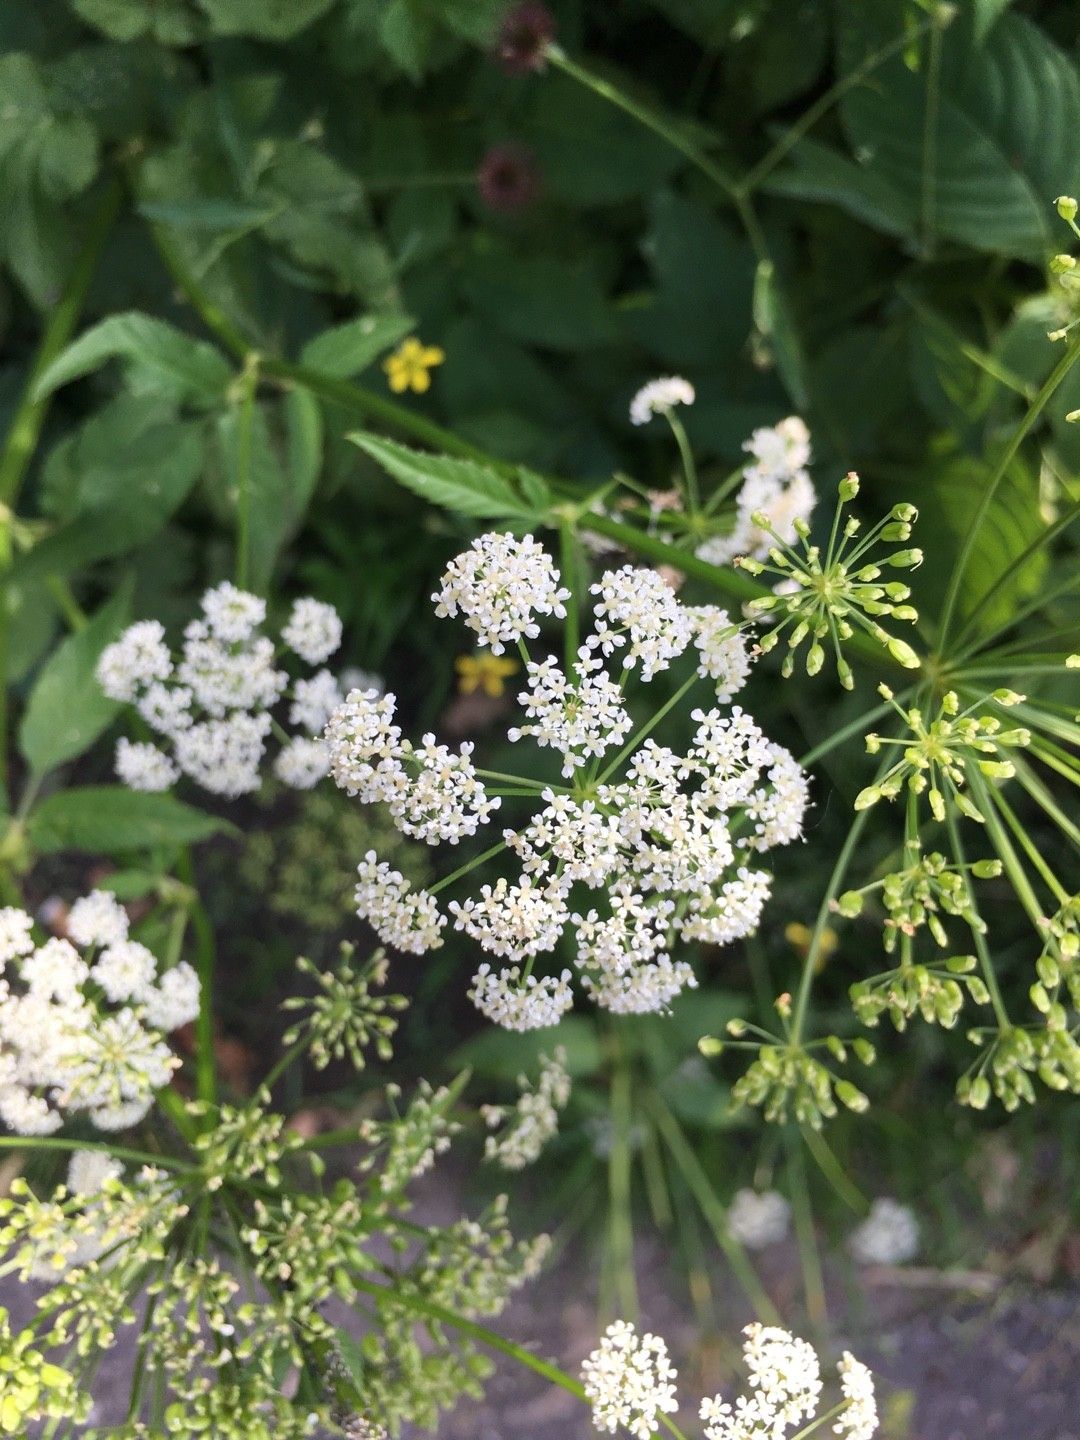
[
  {"x": 83, "y": 1021},
  {"x": 888, "y": 1236},
  {"x": 403, "y": 917},
  {"x": 212, "y": 706},
  {"x": 629, "y": 1381},
  {"x": 657, "y": 397},
  {"x": 757, "y": 1219},
  {"x": 776, "y": 485},
  {"x": 499, "y": 585},
  {"x": 859, "y": 1421},
  {"x": 668, "y": 843}
]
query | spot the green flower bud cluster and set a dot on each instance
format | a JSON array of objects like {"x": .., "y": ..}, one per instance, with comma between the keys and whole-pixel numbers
[
  {"x": 243, "y": 1144},
  {"x": 31, "y": 1387},
  {"x": 786, "y": 1081},
  {"x": 918, "y": 896},
  {"x": 1012, "y": 1055},
  {"x": 1066, "y": 269},
  {"x": 408, "y": 1145},
  {"x": 823, "y": 599},
  {"x": 1058, "y": 967},
  {"x": 936, "y": 992},
  {"x": 309, "y": 1244},
  {"x": 343, "y": 1016},
  {"x": 473, "y": 1266},
  {"x": 937, "y": 754}
]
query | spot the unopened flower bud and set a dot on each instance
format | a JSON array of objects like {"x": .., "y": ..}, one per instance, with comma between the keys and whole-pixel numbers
[{"x": 1066, "y": 207}]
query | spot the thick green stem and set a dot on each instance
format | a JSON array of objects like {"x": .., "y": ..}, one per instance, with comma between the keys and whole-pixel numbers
[
  {"x": 809, "y": 1257},
  {"x": 205, "y": 1071},
  {"x": 619, "y": 1193},
  {"x": 121, "y": 1152}
]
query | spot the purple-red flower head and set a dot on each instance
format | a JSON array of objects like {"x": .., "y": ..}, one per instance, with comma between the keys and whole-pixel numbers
[
  {"x": 524, "y": 35},
  {"x": 507, "y": 178}
]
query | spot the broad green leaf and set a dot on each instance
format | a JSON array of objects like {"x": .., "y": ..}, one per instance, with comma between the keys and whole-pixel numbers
[
  {"x": 978, "y": 146},
  {"x": 112, "y": 820},
  {"x": 459, "y": 485},
  {"x": 557, "y": 304},
  {"x": 817, "y": 172},
  {"x": 589, "y": 152},
  {"x": 406, "y": 30},
  {"x": 347, "y": 349},
  {"x": 948, "y": 496},
  {"x": 776, "y": 328},
  {"x": 172, "y": 22},
  {"x": 31, "y": 626},
  {"x": 207, "y": 214},
  {"x": 67, "y": 710},
  {"x": 115, "y": 484},
  {"x": 700, "y": 310},
  {"x": 264, "y": 19},
  {"x": 1024, "y": 349},
  {"x": 303, "y": 450},
  {"x": 197, "y": 368}
]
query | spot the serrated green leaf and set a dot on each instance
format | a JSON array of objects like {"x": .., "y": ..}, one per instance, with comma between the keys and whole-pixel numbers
[
  {"x": 197, "y": 368},
  {"x": 67, "y": 709},
  {"x": 459, "y": 485},
  {"x": 347, "y": 349},
  {"x": 111, "y": 820},
  {"x": 817, "y": 172},
  {"x": 977, "y": 145}
]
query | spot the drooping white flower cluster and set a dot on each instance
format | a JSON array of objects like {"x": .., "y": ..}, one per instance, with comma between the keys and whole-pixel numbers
[
  {"x": 668, "y": 841},
  {"x": 657, "y": 397},
  {"x": 757, "y": 1219},
  {"x": 83, "y": 1020},
  {"x": 530, "y": 1123},
  {"x": 888, "y": 1236},
  {"x": 776, "y": 484},
  {"x": 629, "y": 1381},
  {"x": 212, "y": 706}
]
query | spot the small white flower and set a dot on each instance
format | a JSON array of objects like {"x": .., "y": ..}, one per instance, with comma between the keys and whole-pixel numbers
[
  {"x": 313, "y": 702},
  {"x": 223, "y": 756},
  {"x": 302, "y": 763},
  {"x": 15, "y": 934},
  {"x": 125, "y": 971},
  {"x": 860, "y": 1420},
  {"x": 139, "y": 657},
  {"x": 403, "y": 917},
  {"x": 232, "y": 614},
  {"x": 97, "y": 919},
  {"x": 175, "y": 1001},
  {"x": 658, "y": 396},
  {"x": 313, "y": 630},
  {"x": 90, "y": 1170},
  {"x": 499, "y": 585},
  {"x": 142, "y": 766},
  {"x": 638, "y": 609},
  {"x": 723, "y": 651},
  {"x": 533, "y": 1120},
  {"x": 888, "y": 1236},
  {"x": 629, "y": 1381},
  {"x": 518, "y": 1003},
  {"x": 757, "y": 1219}
]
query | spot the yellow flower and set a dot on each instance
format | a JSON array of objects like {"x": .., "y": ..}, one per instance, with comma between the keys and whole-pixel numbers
[
  {"x": 799, "y": 937},
  {"x": 407, "y": 368},
  {"x": 484, "y": 671}
]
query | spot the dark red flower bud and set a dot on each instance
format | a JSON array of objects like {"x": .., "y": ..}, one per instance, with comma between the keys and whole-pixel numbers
[
  {"x": 507, "y": 178},
  {"x": 524, "y": 35}
]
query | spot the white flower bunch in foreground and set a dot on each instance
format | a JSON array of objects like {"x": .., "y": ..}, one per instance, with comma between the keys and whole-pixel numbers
[
  {"x": 888, "y": 1236},
  {"x": 212, "y": 706},
  {"x": 777, "y": 486},
  {"x": 533, "y": 1120},
  {"x": 632, "y": 847},
  {"x": 629, "y": 1381},
  {"x": 83, "y": 1020}
]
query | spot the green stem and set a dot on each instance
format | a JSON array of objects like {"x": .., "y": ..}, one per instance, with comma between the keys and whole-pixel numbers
[
  {"x": 121, "y": 1152},
  {"x": 249, "y": 384},
  {"x": 809, "y": 1258},
  {"x": 670, "y": 131},
  {"x": 647, "y": 729},
  {"x": 986, "y": 963},
  {"x": 619, "y": 1193},
  {"x": 571, "y": 574},
  {"x": 205, "y": 1072},
  {"x": 833, "y": 1171},
  {"x": 713, "y": 1211},
  {"x": 1034, "y": 410},
  {"x": 821, "y": 107},
  {"x": 836, "y": 879},
  {"x": 464, "y": 869},
  {"x": 693, "y": 493}
]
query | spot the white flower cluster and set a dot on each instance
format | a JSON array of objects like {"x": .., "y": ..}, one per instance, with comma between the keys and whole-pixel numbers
[
  {"x": 776, "y": 484},
  {"x": 757, "y": 1219},
  {"x": 668, "y": 840},
  {"x": 212, "y": 706},
  {"x": 533, "y": 1120},
  {"x": 657, "y": 397},
  {"x": 888, "y": 1236},
  {"x": 83, "y": 1020},
  {"x": 785, "y": 1390},
  {"x": 629, "y": 1381}
]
